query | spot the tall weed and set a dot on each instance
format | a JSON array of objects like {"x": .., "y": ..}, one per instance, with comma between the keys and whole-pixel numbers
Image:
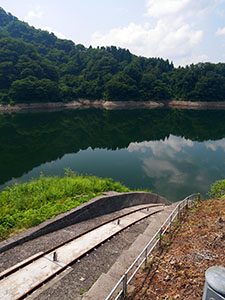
[{"x": 28, "y": 204}]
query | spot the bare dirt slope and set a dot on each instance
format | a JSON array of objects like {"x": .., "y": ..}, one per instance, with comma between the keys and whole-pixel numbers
[{"x": 178, "y": 272}]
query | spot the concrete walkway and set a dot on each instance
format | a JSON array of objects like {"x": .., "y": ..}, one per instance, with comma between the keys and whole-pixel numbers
[{"x": 107, "y": 281}]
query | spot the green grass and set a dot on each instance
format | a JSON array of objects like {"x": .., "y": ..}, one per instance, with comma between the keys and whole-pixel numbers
[
  {"x": 28, "y": 204},
  {"x": 218, "y": 189}
]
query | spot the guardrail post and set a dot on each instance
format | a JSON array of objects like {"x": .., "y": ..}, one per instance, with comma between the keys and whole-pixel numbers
[
  {"x": 146, "y": 256},
  {"x": 188, "y": 205},
  {"x": 125, "y": 286},
  {"x": 178, "y": 213},
  {"x": 170, "y": 228},
  {"x": 160, "y": 238}
]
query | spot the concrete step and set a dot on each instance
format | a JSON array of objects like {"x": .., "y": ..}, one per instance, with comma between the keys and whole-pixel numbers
[{"x": 102, "y": 286}]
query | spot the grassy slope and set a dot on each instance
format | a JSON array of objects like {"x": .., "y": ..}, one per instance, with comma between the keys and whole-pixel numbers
[{"x": 28, "y": 204}]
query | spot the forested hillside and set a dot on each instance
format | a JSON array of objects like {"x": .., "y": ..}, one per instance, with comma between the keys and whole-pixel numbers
[{"x": 36, "y": 66}]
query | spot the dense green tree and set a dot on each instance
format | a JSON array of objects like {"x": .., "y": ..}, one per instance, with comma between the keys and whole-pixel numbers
[
  {"x": 209, "y": 88},
  {"x": 121, "y": 87},
  {"x": 37, "y": 66},
  {"x": 147, "y": 86},
  {"x": 30, "y": 89},
  {"x": 7, "y": 74}
]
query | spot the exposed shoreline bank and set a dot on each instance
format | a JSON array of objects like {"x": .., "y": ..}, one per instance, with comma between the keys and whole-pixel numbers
[{"x": 81, "y": 104}]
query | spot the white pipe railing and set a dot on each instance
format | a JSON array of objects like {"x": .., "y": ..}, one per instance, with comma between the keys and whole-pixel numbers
[{"x": 120, "y": 289}]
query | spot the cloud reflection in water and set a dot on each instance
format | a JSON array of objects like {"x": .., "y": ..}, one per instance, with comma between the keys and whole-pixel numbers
[{"x": 180, "y": 164}]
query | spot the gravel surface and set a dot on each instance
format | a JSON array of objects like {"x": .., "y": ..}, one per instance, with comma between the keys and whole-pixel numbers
[
  {"x": 48, "y": 241},
  {"x": 85, "y": 272}
]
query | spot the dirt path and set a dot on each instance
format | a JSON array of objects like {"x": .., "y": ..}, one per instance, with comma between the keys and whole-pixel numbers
[{"x": 178, "y": 273}]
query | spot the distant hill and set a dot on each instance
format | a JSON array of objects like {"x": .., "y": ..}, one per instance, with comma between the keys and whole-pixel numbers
[{"x": 36, "y": 66}]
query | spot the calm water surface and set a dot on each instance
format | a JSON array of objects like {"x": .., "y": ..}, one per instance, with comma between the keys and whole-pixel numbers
[{"x": 172, "y": 152}]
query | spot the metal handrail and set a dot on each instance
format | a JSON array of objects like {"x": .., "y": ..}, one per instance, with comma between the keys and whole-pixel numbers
[{"x": 155, "y": 240}]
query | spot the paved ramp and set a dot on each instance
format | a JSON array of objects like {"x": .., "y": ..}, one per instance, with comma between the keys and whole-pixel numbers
[{"x": 27, "y": 278}]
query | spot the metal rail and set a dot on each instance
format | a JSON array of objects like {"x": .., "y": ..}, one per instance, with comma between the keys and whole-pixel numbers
[
  {"x": 120, "y": 289},
  {"x": 40, "y": 254},
  {"x": 156, "y": 208}
]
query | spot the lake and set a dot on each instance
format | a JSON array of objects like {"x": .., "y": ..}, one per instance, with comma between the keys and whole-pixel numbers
[{"x": 172, "y": 152}]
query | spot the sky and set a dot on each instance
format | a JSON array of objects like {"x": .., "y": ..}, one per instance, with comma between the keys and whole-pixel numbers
[{"x": 183, "y": 31}]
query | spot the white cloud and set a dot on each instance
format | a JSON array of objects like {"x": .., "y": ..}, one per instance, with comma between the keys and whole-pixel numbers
[
  {"x": 215, "y": 145},
  {"x": 57, "y": 33},
  {"x": 162, "y": 168},
  {"x": 172, "y": 36},
  {"x": 36, "y": 13},
  {"x": 167, "y": 148},
  {"x": 175, "y": 8},
  {"x": 194, "y": 59},
  {"x": 163, "y": 40},
  {"x": 220, "y": 31},
  {"x": 162, "y": 8}
]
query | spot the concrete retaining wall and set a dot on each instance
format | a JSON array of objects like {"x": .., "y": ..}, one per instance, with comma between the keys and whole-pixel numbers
[{"x": 94, "y": 208}]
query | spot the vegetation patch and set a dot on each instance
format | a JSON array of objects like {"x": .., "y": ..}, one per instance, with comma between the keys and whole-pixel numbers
[
  {"x": 218, "y": 189},
  {"x": 28, "y": 204}
]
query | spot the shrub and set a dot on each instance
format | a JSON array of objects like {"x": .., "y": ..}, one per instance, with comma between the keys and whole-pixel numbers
[{"x": 218, "y": 189}]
